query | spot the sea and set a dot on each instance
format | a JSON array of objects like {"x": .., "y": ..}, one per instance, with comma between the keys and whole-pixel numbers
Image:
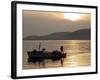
[{"x": 78, "y": 53}]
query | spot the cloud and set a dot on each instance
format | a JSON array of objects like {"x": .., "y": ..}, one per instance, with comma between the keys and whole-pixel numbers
[{"x": 43, "y": 23}]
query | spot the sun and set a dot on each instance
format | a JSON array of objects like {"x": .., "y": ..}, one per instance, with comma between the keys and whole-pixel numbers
[{"x": 72, "y": 16}]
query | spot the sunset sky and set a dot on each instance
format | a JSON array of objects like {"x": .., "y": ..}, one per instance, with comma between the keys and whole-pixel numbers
[{"x": 43, "y": 23}]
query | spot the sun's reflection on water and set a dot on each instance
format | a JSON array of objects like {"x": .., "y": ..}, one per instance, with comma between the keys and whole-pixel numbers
[{"x": 78, "y": 53}]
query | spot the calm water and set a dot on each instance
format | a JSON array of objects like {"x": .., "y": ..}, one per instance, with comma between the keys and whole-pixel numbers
[{"x": 78, "y": 53}]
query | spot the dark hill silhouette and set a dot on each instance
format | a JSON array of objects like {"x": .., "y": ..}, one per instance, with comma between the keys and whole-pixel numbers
[{"x": 82, "y": 34}]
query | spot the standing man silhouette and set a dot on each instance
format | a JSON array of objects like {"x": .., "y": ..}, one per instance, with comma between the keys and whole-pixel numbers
[{"x": 61, "y": 49}]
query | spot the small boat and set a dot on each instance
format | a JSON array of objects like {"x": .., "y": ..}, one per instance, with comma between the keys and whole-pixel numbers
[{"x": 39, "y": 56}]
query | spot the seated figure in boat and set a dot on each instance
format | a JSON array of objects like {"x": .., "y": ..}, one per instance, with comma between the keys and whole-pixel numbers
[
  {"x": 34, "y": 50},
  {"x": 43, "y": 50}
]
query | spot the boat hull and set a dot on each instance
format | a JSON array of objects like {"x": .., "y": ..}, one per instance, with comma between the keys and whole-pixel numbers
[{"x": 40, "y": 56}]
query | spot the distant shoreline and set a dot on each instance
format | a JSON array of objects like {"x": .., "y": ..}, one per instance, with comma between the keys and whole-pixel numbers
[{"x": 82, "y": 34}]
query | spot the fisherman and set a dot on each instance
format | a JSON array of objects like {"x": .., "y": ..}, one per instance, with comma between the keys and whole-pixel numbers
[
  {"x": 43, "y": 50},
  {"x": 34, "y": 50},
  {"x": 62, "y": 49}
]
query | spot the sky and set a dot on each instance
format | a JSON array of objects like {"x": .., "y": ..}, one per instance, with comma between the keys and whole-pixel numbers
[{"x": 43, "y": 23}]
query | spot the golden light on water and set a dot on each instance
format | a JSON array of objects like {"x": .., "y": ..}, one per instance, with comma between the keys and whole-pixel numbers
[
  {"x": 73, "y": 61},
  {"x": 72, "y": 16},
  {"x": 75, "y": 57},
  {"x": 78, "y": 60},
  {"x": 76, "y": 50}
]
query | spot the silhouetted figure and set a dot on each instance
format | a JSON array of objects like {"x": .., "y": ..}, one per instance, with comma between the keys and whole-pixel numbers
[
  {"x": 43, "y": 50},
  {"x": 34, "y": 50},
  {"x": 61, "y": 49}
]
